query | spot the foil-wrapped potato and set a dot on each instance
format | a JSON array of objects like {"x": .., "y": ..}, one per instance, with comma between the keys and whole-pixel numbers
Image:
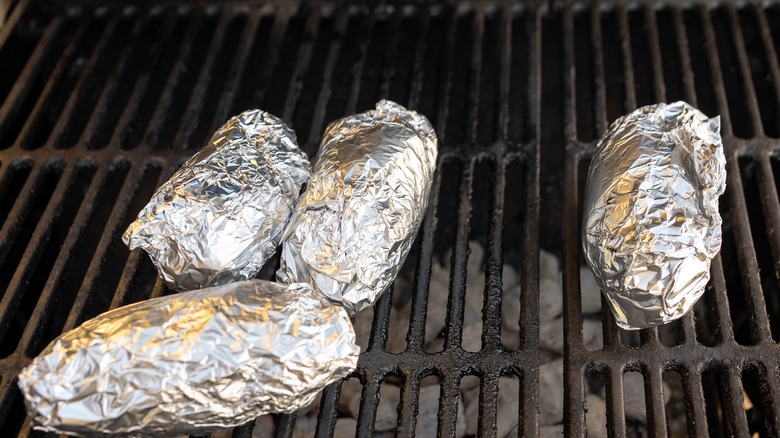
[
  {"x": 354, "y": 225},
  {"x": 191, "y": 363},
  {"x": 651, "y": 221},
  {"x": 221, "y": 216}
]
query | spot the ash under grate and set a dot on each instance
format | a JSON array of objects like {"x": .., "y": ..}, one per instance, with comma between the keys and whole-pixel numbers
[{"x": 99, "y": 105}]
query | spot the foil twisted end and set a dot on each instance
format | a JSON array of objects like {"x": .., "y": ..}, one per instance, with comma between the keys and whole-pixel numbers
[
  {"x": 354, "y": 225},
  {"x": 651, "y": 221},
  {"x": 221, "y": 216},
  {"x": 191, "y": 363}
]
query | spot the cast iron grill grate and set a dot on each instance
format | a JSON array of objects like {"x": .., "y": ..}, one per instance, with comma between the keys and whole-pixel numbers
[{"x": 100, "y": 104}]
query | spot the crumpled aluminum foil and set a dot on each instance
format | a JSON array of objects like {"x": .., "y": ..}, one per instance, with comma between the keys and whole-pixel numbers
[
  {"x": 221, "y": 216},
  {"x": 193, "y": 362},
  {"x": 355, "y": 223},
  {"x": 651, "y": 220}
]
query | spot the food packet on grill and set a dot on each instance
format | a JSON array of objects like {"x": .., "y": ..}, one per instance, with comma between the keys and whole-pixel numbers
[
  {"x": 354, "y": 225},
  {"x": 221, "y": 216},
  {"x": 651, "y": 220},
  {"x": 193, "y": 362}
]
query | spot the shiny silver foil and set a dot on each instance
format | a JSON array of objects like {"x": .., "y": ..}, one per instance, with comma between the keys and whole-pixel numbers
[
  {"x": 651, "y": 221},
  {"x": 221, "y": 216},
  {"x": 353, "y": 226},
  {"x": 192, "y": 362}
]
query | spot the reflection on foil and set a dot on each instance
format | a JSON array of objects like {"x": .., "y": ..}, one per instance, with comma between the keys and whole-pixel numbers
[
  {"x": 192, "y": 362},
  {"x": 221, "y": 216},
  {"x": 651, "y": 221},
  {"x": 355, "y": 223}
]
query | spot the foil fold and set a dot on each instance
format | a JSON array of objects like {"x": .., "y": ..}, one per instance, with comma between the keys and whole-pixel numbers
[
  {"x": 651, "y": 221},
  {"x": 191, "y": 363},
  {"x": 353, "y": 226},
  {"x": 221, "y": 215}
]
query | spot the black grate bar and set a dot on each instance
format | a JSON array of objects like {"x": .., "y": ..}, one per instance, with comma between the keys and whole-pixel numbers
[
  {"x": 35, "y": 66},
  {"x": 477, "y": 63},
  {"x": 685, "y": 56},
  {"x": 19, "y": 211},
  {"x": 655, "y": 54},
  {"x": 162, "y": 112},
  {"x": 628, "y": 66},
  {"x": 153, "y": 54},
  {"x": 10, "y": 25},
  {"x": 236, "y": 70},
  {"x": 194, "y": 109},
  {"x": 326, "y": 418},
  {"x": 494, "y": 262},
  {"x": 719, "y": 90},
  {"x": 303, "y": 58},
  {"x": 654, "y": 401},
  {"x": 770, "y": 50},
  {"x": 102, "y": 121},
  {"x": 29, "y": 260},
  {"x": 324, "y": 93},
  {"x": 415, "y": 336},
  {"x": 460, "y": 253},
  {"x": 60, "y": 70},
  {"x": 747, "y": 77},
  {"x": 759, "y": 322},
  {"x": 598, "y": 72},
  {"x": 616, "y": 415},
  {"x": 85, "y": 80},
  {"x": 112, "y": 231},
  {"x": 136, "y": 257},
  {"x": 32, "y": 332}
]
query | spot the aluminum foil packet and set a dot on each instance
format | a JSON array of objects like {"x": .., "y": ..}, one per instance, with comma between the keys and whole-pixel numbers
[
  {"x": 354, "y": 225},
  {"x": 651, "y": 220},
  {"x": 221, "y": 216},
  {"x": 191, "y": 363}
]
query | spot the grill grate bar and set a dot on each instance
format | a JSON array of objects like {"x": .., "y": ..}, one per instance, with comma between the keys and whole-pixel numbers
[
  {"x": 475, "y": 78},
  {"x": 770, "y": 54},
  {"x": 137, "y": 256},
  {"x": 95, "y": 134},
  {"x": 694, "y": 401},
  {"x": 13, "y": 20},
  {"x": 455, "y": 304},
  {"x": 84, "y": 82},
  {"x": 302, "y": 63},
  {"x": 50, "y": 292},
  {"x": 415, "y": 336},
  {"x": 369, "y": 400},
  {"x": 29, "y": 260},
  {"x": 655, "y": 54},
  {"x": 409, "y": 406},
  {"x": 771, "y": 208},
  {"x": 106, "y": 243},
  {"x": 685, "y": 57},
  {"x": 194, "y": 109},
  {"x": 734, "y": 411},
  {"x": 628, "y": 66},
  {"x": 719, "y": 88},
  {"x": 162, "y": 112},
  {"x": 129, "y": 119},
  {"x": 747, "y": 77},
  {"x": 41, "y": 105},
  {"x": 488, "y": 407},
  {"x": 237, "y": 69},
  {"x": 759, "y": 321},
  {"x": 20, "y": 210},
  {"x": 654, "y": 401},
  {"x": 616, "y": 414},
  {"x": 35, "y": 66},
  {"x": 491, "y": 307}
]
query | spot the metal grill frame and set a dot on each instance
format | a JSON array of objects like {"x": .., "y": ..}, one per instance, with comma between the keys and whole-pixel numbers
[{"x": 547, "y": 152}]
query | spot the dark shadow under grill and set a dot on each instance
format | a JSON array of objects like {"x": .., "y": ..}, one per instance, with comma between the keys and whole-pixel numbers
[{"x": 100, "y": 104}]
